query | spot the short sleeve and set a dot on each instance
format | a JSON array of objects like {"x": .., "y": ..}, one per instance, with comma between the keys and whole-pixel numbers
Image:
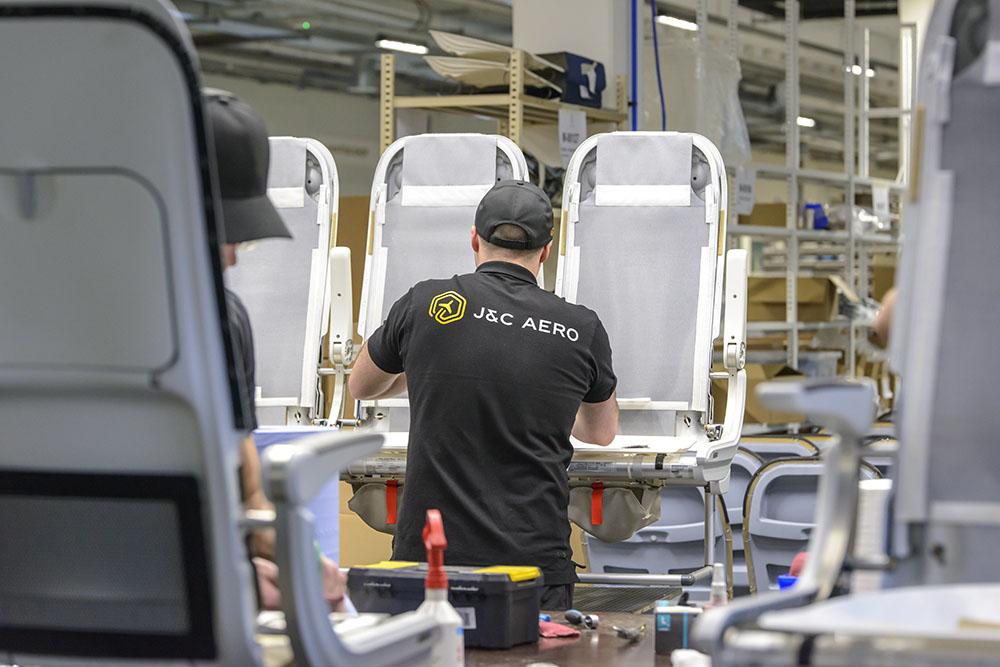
[
  {"x": 386, "y": 345},
  {"x": 241, "y": 335},
  {"x": 604, "y": 382}
]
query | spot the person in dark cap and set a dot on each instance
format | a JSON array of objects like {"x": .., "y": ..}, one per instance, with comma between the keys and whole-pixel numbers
[
  {"x": 242, "y": 157},
  {"x": 499, "y": 373}
]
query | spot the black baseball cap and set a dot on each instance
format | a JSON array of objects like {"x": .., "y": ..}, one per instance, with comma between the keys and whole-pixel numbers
[
  {"x": 242, "y": 156},
  {"x": 517, "y": 203}
]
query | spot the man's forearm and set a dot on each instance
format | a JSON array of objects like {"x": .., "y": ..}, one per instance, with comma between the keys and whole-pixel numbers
[{"x": 261, "y": 540}]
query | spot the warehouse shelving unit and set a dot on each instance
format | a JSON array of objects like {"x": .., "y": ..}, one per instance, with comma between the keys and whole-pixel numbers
[
  {"x": 513, "y": 109},
  {"x": 858, "y": 248}
]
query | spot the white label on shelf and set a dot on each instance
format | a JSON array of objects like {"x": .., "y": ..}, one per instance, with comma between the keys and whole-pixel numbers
[
  {"x": 991, "y": 70},
  {"x": 468, "y": 615},
  {"x": 572, "y": 132},
  {"x": 880, "y": 200},
  {"x": 746, "y": 184}
]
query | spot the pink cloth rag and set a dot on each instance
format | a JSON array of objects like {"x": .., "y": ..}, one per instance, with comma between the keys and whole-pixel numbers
[{"x": 552, "y": 629}]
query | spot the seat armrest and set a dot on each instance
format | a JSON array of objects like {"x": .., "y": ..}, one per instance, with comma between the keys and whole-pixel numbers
[
  {"x": 734, "y": 356},
  {"x": 847, "y": 408},
  {"x": 709, "y": 631},
  {"x": 293, "y": 475},
  {"x": 340, "y": 338},
  {"x": 734, "y": 338},
  {"x": 341, "y": 341}
]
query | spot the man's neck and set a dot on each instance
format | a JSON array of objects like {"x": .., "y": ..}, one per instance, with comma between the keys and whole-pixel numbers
[{"x": 532, "y": 266}]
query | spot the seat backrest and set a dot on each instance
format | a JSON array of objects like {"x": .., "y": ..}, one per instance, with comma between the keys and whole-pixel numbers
[
  {"x": 424, "y": 198},
  {"x": 779, "y": 515},
  {"x": 946, "y": 317},
  {"x": 771, "y": 447},
  {"x": 423, "y": 203},
  {"x": 120, "y": 418},
  {"x": 642, "y": 245},
  {"x": 284, "y": 283}
]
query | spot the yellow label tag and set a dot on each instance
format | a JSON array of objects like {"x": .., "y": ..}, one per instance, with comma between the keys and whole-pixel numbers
[
  {"x": 371, "y": 231},
  {"x": 389, "y": 565},
  {"x": 514, "y": 572}
]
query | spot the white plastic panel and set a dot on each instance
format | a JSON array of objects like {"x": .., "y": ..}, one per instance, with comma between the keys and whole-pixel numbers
[{"x": 86, "y": 249}]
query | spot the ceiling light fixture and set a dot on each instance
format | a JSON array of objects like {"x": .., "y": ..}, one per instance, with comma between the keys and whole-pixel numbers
[
  {"x": 405, "y": 47},
  {"x": 675, "y": 22},
  {"x": 805, "y": 121}
]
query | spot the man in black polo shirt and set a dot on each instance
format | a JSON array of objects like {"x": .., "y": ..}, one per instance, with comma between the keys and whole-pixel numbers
[{"x": 499, "y": 373}]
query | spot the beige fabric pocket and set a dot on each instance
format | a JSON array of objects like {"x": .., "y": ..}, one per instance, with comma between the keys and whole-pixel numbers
[
  {"x": 369, "y": 503},
  {"x": 625, "y": 510}
]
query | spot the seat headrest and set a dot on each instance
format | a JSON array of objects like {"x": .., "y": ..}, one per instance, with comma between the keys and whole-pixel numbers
[
  {"x": 643, "y": 170},
  {"x": 448, "y": 170},
  {"x": 459, "y": 159},
  {"x": 286, "y": 179}
]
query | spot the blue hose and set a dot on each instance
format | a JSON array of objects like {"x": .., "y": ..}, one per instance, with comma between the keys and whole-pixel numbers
[
  {"x": 635, "y": 65},
  {"x": 659, "y": 78}
]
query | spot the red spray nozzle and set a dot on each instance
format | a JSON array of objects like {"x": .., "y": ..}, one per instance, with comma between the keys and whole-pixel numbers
[{"x": 435, "y": 543}]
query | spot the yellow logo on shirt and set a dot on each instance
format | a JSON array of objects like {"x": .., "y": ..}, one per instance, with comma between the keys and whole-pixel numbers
[{"x": 447, "y": 307}]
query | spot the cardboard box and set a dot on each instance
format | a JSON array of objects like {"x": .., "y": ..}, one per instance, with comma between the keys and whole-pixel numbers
[
  {"x": 755, "y": 412},
  {"x": 352, "y": 232},
  {"x": 817, "y": 299},
  {"x": 883, "y": 275},
  {"x": 360, "y": 544},
  {"x": 766, "y": 215}
]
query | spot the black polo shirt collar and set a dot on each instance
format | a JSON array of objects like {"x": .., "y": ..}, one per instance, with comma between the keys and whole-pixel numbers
[{"x": 508, "y": 269}]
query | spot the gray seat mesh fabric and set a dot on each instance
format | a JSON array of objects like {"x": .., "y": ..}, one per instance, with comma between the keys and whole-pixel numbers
[
  {"x": 655, "y": 252},
  {"x": 432, "y": 241},
  {"x": 273, "y": 280},
  {"x": 425, "y": 242}
]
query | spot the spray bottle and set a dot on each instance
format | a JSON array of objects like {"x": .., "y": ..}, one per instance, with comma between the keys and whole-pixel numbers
[
  {"x": 719, "y": 594},
  {"x": 450, "y": 650}
]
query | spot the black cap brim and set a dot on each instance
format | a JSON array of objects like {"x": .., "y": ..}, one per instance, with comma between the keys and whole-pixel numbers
[{"x": 252, "y": 218}]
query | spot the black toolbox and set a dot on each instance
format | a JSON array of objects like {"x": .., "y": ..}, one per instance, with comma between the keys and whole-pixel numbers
[{"x": 498, "y": 604}]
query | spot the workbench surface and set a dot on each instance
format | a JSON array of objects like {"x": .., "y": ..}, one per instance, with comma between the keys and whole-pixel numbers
[
  {"x": 593, "y": 647},
  {"x": 601, "y": 647}
]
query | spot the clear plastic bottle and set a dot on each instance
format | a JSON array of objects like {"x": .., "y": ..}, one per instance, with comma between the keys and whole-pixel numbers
[
  {"x": 450, "y": 649},
  {"x": 719, "y": 594}
]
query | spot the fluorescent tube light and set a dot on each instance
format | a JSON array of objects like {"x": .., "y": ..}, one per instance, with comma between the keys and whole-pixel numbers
[
  {"x": 675, "y": 22},
  {"x": 405, "y": 47}
]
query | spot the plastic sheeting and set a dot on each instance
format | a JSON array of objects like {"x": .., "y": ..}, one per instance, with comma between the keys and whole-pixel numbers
[{"x": 713, "y": 110}]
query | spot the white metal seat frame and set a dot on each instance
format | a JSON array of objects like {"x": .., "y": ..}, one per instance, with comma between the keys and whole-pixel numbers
[{"x": 257, "y": 279}]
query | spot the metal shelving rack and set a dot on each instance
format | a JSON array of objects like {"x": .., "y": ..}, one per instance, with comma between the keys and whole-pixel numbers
[
  {"x": 513, "y": 109},
  {"x": 855, "y": 175}
]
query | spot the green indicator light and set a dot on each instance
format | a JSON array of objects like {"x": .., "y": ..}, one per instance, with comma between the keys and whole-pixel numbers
[{"x": 306, "y": 25}]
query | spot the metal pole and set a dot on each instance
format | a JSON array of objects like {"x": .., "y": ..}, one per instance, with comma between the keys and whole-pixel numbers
[
  {"x": 387, "y": 91},
  {"x": 864, "y": 138},
  {"x": 515, "y": 106},
  {"x": 792, "y": 162},
  {"x": 647, "y": 579},
  {"x": 709, "y": 527},
  {"x": 850, "y": 167}
]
